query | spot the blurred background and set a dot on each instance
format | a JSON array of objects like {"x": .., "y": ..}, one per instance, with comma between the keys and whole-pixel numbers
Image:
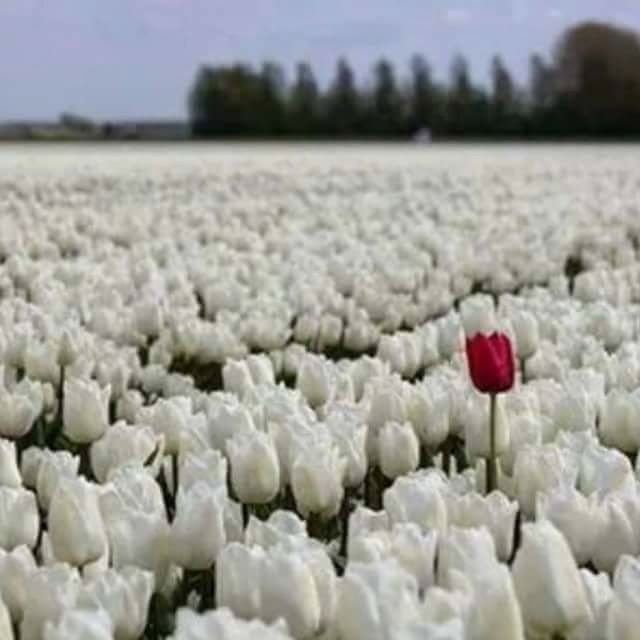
[{"x": 330, "y": 69}]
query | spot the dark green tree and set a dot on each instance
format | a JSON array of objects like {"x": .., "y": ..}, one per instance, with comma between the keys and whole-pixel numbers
[
  {"x": 344, "y": 109},
  {"x": 304, "y": 103}
]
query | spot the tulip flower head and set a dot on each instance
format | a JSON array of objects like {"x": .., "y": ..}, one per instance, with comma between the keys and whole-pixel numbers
[{"x": 491, "y": 363}]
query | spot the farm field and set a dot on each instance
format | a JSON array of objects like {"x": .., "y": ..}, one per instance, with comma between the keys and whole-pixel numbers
[{"x": 239, "y": 395}]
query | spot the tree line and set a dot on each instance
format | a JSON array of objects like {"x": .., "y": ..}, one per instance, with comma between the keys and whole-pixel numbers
[{"x": 589, "y": 86}]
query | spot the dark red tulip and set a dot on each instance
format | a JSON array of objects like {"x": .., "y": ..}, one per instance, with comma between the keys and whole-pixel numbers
[{"x": 491, "y": 363}]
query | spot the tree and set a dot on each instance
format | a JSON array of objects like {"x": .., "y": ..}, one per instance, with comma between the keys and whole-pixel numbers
[
  {"x": 504, "y": 107},
  {"x": 386, "y": 111},
  {"x": 272, "y": 100},
  {"x": 343, "y": 103},
  {"x": 304, "y": 102},
  {"x": 597, "y": 78},
  {"x": 423, "y": 100}
]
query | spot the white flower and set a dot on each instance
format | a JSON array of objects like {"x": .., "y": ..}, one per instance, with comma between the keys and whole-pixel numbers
[
  {"x": 525, "y": 328},
  {"x": 465, "y": 550},
  {"x": 238, "y": 583},
  {"x": 52, "y": 591},
  {"x": 623, "y": 615},
  {"x": 477, "y": 315},
  {"x": 547, "y": 581},
  {"x": 495, "y": 512},
  {"x": 236, "y": 377},
  {"x": 86, "y": 410},
  {"x": 350, "y": 436},
  {"x": 80, "y": 624},
  {"x": 75, "y": 525},
  {"x": 15, "y": 569},
  {"x": 227, "y": 421},
  {"x": 428, "y": 409},
  {"x": 541, "y": 469},
  {"x": 124, "y": 595},
  {"x": 68, "y": 350},
  {"x": 316, "y": 479},
  {"x": 574, "y": 516},
  {"x": 19, "y": 518},
  {"x": 255, "y": 470},
  {"x": 288, "y": 590},
  {"x": 399, "y": 449},
  {"x": 121, "y": 444},
  {"x": 18, "y": 414},
  {"x": 9, "y": 472},
  {"x": 416, "y": 498},
  {"x": 221, "y": 623},
  {"x": 314, "y": 381},
  {"x": 199, "y": 509},
  {"x": 6, "y": 629},
  {"x": 208, "y": 466},
  {"x": 53, "y": 466},
  {"x": 614, "y": 535},
  {"x": 374, "y": 600},
  {"x": 620, "y": 421}
]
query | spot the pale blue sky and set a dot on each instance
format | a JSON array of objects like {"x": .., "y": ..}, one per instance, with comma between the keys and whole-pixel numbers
[{"x": 134, "y": 58}]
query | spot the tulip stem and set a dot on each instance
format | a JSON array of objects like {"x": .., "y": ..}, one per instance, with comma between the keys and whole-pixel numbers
[
  {"x": 61, "y": 402},
  {"x": 246, "y": 512},
  {"x": 492, "y": 463},
  {"x": 174, "y": 476},
  {"x": 344, "y": 518},
  {"x": 523, "y": 370}
]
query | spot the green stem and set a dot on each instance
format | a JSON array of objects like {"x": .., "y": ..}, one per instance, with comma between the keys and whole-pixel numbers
[
  {"x": 523, "y": 370},
  {"x": 174, "y": 476},
  {"x": 492, "y": 463}
]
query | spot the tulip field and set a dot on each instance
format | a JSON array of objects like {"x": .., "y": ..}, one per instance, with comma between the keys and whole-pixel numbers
[{"x": 319, "y": 392}]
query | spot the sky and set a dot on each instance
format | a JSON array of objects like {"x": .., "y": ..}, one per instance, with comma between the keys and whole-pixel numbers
[{"x": 114, "y": 59}]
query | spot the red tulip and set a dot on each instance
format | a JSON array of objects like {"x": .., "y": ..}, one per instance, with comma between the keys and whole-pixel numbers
[{"x": 491, "y": 363}]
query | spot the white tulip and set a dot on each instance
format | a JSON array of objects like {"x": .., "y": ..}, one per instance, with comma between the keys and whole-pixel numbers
[
  {"x": 374, "y": 600},
  {"x": 525, "y": 327},
  {"x": 599, "y": 595},
  {"x": 41, "y": 362},
  {"x": 495, "y": 612},
  {"x": 350, "y": 436},
  {"x": 415, "y": 551},
  {"x": 261, "y": 369},
  {"x": 221, "y": 623},
  {"x": 6, "y": 629},
  {"x": 236, "y": 377},
  {"x": 314, "y": 381},
  {"x": 288, "y": 590},
  {"x": 623, "y": 615},
  {"x": 540, "y": 469},
  {"x": 68, "y": 349},
  {"x": 255, "y": 470},
  {"x": 238, "y": 585},
  {"x": 197, "y": 532},
  {"x": 466, "y": 550},
  {"x": 416, "y": 499},
  {"x": 615, "y": 535},
  {"x": 620, "y": 421},
  {"x": 399, "y": 449},
  {"x": 138, "y": 536},
  {"x": 428, "y": 409},
  {"x": 86, "y": 410},
  {"x": 80, "y": 624},
  {"x": 9, "y": 472},
  {"x": 363, "y": 370},
  {"x": 15, "y": 569},
  {"x": 477, "y": 315},
  {"x": 574, "y": 515},
  {"x": 604, "y": 470},
  {"x": 228, "y": 421},
  {"x": 122, "y": 444},
  {"x": 52, "y": 591},
  {"x": 547, "y": 582},
  {"x": 317, "y": 477},
  {"x": 19, "y": 518},
  {"x": 75, "y": 525},
  {"x": 282, "y": 528},
  {"x": 495, "y": 512},
  {"x": 18, "y": 414},
  {"x": 575, "y": 411},
  {"x": 124, "y": 595},
  {"x": 208, "y": 466}
]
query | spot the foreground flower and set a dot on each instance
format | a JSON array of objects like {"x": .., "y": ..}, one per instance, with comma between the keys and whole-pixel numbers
[
  {"x": 492, "y": 371},
  {"x": 547, "y": 583},
  {"x": 86, "y": 410},
  {"x": 491, "y": 362}
]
